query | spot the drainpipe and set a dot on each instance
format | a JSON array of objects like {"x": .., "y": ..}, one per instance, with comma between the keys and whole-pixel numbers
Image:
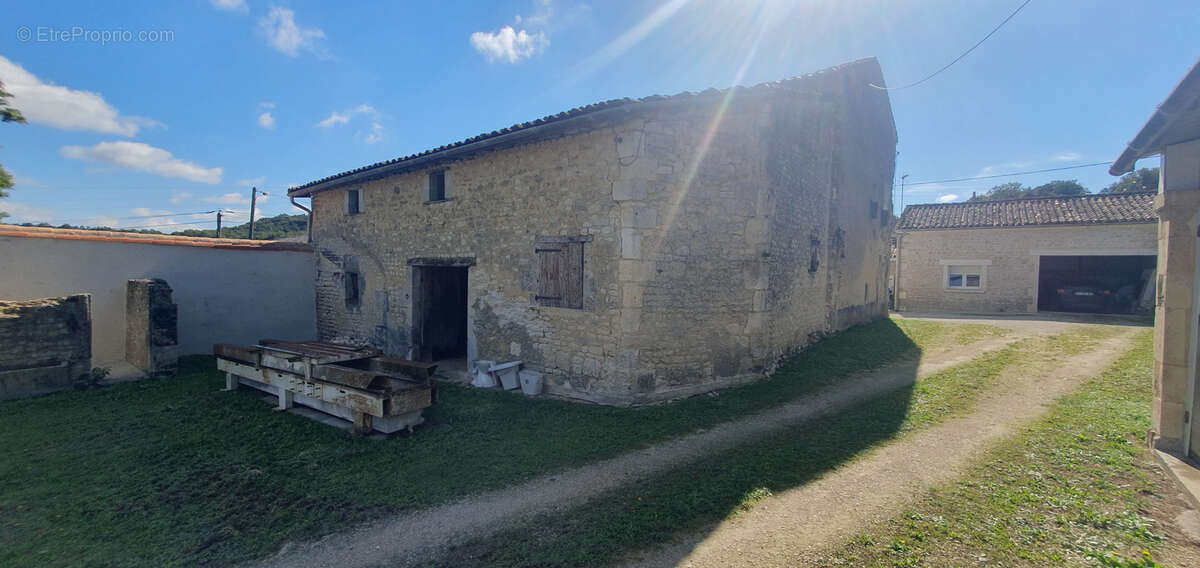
[
  {"x": 896, "y": 288},
  {"x": 310, "y": 217}
]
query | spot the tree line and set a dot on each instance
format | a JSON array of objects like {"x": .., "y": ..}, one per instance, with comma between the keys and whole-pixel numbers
[{"x": 1145, "y": 179}]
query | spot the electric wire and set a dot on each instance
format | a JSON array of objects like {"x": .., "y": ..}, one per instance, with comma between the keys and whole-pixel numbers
[
  {"x": 1042, "y": 171},
  {"x": 959, "y": 58}
]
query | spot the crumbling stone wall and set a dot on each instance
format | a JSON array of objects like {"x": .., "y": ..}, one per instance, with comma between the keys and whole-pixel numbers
[
  {"x": 45, "y": 344},
  {"x": 151, "y": 326},
  {"x": 726, "y": 232}
]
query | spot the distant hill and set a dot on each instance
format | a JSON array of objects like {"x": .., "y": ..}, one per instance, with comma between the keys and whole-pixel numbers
[{"x": 267, "y": 228}]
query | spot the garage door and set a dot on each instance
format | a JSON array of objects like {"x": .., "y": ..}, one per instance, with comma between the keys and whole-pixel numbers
[{"x": 1095, "y": 284}]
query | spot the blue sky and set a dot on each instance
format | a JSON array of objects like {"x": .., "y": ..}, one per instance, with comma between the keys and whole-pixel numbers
[{"x": 165, "y": 108}]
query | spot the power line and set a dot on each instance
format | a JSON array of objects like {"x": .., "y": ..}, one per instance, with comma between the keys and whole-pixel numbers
[
  {"x": 959, "y": 58},
  {"x": 156, "y": 215},
  {"x": 1011, "y": 174}
]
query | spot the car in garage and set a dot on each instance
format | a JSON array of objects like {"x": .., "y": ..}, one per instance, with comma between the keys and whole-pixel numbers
[{"x": 1084, "y": 298}]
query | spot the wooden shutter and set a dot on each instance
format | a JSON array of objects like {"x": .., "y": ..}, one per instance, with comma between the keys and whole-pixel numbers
[{"x": 560, "y": 274}]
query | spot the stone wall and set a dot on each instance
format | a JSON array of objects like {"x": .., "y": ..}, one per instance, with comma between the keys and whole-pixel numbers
[
  {"x": 45, "y": 344},
  {"x": 1011, "y": 278},
  {"x": 151, "y": 326},
  {"x": 724, "y": 233},
  {"x": 227, "y": 291}
]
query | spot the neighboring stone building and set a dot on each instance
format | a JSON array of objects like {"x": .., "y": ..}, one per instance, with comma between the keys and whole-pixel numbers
[
  {"x": 1173, "y": 132},
  {"x": 1017, "y": 255},
  {"x": 633, "y": 250}
]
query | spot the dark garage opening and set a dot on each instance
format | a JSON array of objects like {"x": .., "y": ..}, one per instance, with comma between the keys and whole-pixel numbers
[
  {"x": 440, "y": 312},
  {"x": 1094, "y": 284}
]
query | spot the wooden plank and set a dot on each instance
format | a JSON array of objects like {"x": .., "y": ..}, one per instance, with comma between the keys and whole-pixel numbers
[
  {"x": 397, "y": 365},
  {"x": 362, "y": 423},
  {"x": 355, "y": 399},
  {"x": 550, "y": 269},
  {"x": 248, "y": 355},
  {"x": 346, "y": 375},
  {"x": 572, "y": 277},
  {"x": 407, "y": 401}
]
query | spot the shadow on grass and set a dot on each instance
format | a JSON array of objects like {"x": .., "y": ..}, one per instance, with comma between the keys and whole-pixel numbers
[
  {"x": 175, "y": 472},
  {"x": 693, "y": 499}
]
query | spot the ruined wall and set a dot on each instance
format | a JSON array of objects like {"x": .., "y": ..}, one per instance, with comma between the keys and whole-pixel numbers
[
  {"x": 1011, "y": 277},
  {"x": 151, "y": 326},
  {"x": 224, "y": 295},
  {"x": 704, "y": 216},
  {"x": 45, "y": 344}
]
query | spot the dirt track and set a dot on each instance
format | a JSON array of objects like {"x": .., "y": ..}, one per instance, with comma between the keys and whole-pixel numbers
[{"x": 419, "y": 536}]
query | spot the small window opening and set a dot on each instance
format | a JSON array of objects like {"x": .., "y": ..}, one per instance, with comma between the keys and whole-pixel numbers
[
  {"x": 874, "y": 209},
  {"x": 350, "y": 282},
  {"x": 437, "y": 186},
  {"x": 352, "y": 207}
]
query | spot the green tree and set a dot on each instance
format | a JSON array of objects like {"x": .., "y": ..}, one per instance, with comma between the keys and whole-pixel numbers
[
  {"x": 1010, "y": 190},
  {"x": 7, "y": 114},
  {"x": 1014, "y": 190},
  {"x": 1145, "y": 179}
]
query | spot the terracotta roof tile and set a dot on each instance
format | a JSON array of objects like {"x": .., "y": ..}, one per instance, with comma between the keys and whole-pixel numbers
[
  {"x": 1080, "y": 210},
  {"x": 148, "y": 239}
]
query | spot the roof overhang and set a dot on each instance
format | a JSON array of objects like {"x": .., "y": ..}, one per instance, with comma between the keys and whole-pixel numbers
[
  {"x": 1176, "y": 120},
  {"x": 558, "y": 128}
]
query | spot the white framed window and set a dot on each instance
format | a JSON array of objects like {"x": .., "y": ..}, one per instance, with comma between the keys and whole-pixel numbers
[{"x": 965, "y": 275}]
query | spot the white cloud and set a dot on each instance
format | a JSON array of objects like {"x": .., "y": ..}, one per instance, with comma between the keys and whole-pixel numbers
[
  {"x": 252, "y": 181},
  {"x": 507, "y": 44},
  {"x": 266, "y": 121},
  {"x": 288, "y": 38},
  {"x": 232, "y": 198},
  {"x": 335, "y": 118},
  {"x": 231, "y": 5},
  {"x": 62, "y": 107},
  {"x": 1067, "y": 157},
  {"x": 947, "y": 198},
  {"x": 144, "y": 157},
  {"x": 21, "y": 213},
  {"x": 375, "y": 134},
  {"x": 155, "y": 219},
  {"x": 179, "y": 197}
]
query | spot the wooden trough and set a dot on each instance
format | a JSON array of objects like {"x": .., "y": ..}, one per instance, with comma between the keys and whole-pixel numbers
[{"x": 359, "y": 384}]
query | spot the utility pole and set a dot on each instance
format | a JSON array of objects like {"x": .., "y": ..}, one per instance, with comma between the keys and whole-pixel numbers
[
  {"x": 219, "y": 223},
  {"x": 253, "y": 197},
  {"x": 902, "y": 179}
]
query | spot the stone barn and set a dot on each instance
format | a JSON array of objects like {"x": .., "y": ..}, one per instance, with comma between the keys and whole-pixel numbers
[{"x": 632, "y": 250}]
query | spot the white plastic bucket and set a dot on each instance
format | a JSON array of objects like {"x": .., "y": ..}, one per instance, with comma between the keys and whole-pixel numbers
[{"x": 531, "y": 382}]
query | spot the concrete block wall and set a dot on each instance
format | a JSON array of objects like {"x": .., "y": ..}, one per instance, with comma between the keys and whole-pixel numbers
[
  {"x": 45, "y": 344},
  {"x": 1011, "y": 276}
]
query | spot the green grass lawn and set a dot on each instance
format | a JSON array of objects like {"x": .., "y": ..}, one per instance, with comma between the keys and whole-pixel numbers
[
  {"x": 689, "y": 498},
  {"x": 1071, "y": 490},
  {"x": 175, "y": 472}
]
